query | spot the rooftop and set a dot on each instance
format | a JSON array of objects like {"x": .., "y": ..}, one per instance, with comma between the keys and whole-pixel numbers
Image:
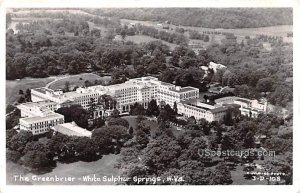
[
  {"x": 184, "y": 89},
  {"x": 71, "y": 129},
  {"x": 243, "y": 100},
  {"x": 38, "y": 119},
  {"x": 37, "y": 104},
  {"x": 42, "y": 90}
]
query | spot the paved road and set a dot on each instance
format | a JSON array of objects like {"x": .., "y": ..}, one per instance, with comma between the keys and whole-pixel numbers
[
  {"x": 10, "y": 113},
  {"x": 56, "y": 79}
]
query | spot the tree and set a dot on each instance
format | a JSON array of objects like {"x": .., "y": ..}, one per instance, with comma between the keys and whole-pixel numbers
[
  {"x": 242, "y": 91},
  {"x": 175, "y": 108},
  {"x": 123, "y": 34},
  {"x": 137, "y": 109},
  {"x": 221, "y": 175},
  {"x": 249, "y": 140},
  {"x": 38, "y": 146},
  {"x": 18, "y": 142},
  {"x": 13, "y": 119},
  {"x": 96, "y": 33},
  {"x": 97, "y": 123},
  {"x": 92, "y": 108},
  {"x": 110, "y": 138},
  {"x": 191, "y": 120},
  {"x": 206, "y": 38},
  {"x": 282, "y": 95},
  {"x": 28, "y": 95},
  {"x": 36, "y": 159},
  {"x": 279, "y": 145},
  {"x": 75, "y": 113},
  {"x": 21, "y": 100},
  {"x": 130, "y": 131},
  {"x": 13, "y": 156},
  {"x": 87, "y": 83},
  {"x": 118, "y": 121},
  {"x": 161, "y": 153},
  {"x": 115, "y": 113},
  {"x": 265, "y": 85},
  {"x": 229, "y": 79},
  {"x": 206, "y": 127},
  {"x": 84, "y": 148},
  {"x": 228, "y": 117},
  {"x": 67, "y": 87},
  {"x": 141, "y": 138},
  {"x": 227, "y": 143},
  {"x": 152, "y": 108}
]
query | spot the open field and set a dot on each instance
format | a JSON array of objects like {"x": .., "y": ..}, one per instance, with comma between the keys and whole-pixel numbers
[
  {"x": 13, "y": 87},
  {"x": 102, "y": 167},
  {"x": 145, "y": 39},
  {"x": 77, "y": 80},
  {"x": 280, "y": 30}
]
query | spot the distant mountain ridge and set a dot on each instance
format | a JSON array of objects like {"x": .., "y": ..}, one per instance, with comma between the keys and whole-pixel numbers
[{"x": 205, "y": 17}]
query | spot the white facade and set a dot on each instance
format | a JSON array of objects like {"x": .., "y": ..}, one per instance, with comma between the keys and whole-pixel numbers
[
  {"x": 201, "y": 110},
  {"x": 40, "y": 108},
  {"x": 141, "y": 90},
  {"x": 39, "y": 125},
  {"x": 39, "y": 115},
  {"x": 248, "y": 107}
]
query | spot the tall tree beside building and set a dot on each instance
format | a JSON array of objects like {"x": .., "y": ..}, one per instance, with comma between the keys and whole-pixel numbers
[
  {"x": 175, "y": 108},
  {"x": 152, "y": 108},
  {"x": 92, "y": 108}
]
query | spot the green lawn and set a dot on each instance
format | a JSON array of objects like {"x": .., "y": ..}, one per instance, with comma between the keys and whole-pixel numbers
[
  {"x": 13, "y": 87},
  {"x": 102, "y": 167},
  {"x": 77, "y": 80}
]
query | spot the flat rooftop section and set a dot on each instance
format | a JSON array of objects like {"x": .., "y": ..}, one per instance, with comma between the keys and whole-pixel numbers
[
  {"x": 166, "y": 84},
  {"x": 145, "y": 78},
  {"x": 38, "y": 119},
  {"x": 74, "y": 94},
  {"x": 189, "y": 101},
  {"x": 121, "y": 86},
  {"x": 184, "y": 89},
  {"x": 42, "y": 90},
  {"x": 71, "y": 129},
  {"x": 243, "y": 100},
  {"x": 37, "y": 104}
]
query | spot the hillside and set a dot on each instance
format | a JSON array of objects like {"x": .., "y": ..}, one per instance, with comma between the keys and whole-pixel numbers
[{"x": 205, "y": 17}]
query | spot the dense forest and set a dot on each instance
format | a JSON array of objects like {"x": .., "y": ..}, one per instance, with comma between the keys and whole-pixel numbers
[
  {"x": 71, "y": 46},
  {"x": 206, "y": 17}
]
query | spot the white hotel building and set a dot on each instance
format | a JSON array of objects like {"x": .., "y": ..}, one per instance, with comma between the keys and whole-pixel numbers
[
  {"x": 248, "y": 107},
  {"x": 39, "y": 115},
  {"x": 141, "y": 90},
  {"x": 202, "y": 110}
]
